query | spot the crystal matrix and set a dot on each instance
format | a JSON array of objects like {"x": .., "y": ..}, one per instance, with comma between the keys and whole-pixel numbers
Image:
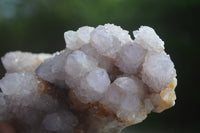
[{"x": 101, "y": 82}]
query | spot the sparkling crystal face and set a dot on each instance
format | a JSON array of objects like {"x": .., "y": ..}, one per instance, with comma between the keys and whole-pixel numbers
[{"x": 101, "y": 82}]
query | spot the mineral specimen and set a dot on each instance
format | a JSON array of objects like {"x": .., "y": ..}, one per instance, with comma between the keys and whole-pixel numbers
[{"x": 102, "y": 82}]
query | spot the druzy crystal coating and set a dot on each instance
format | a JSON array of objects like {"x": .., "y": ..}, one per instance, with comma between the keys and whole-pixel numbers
[{"x": 102, "y": 82}]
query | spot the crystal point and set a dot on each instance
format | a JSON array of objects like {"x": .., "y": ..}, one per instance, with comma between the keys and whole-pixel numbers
[{"x": 102, "y": 82}]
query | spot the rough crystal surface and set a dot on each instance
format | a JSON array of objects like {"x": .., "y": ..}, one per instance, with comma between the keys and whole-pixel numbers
[
  {"x": 109, "y": 39},
  {"x": 95, "y": 84},
  {"x": 56, "y": 67},
  {"x": 158, "y": 71},
  {"x": 123, "y": 97},
  {"x": 78, "y": 64},
  {"x": 75, "y": 39},
  {"x": 19, "y": 87},
  {"x": 130, "y": 58},
  {"x": 102, "y": 82},
  {"x": 148, "y": 39},
  {"x": 102, "y": 61},
  {"x": 22, "y": 61},
  {"x": 11, "y": 84}
]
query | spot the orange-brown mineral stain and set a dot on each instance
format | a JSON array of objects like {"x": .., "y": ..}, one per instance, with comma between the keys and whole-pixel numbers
[
  {"x": 103, "y": 111},
  {"x": 168, "y": 94},
  {"x": 167, "y": 97},
  {"x": 98, "y": 110},
  {"x": 43, "y": 86},
  {"x": 46, "y": 88},
  {"x": 172, "y": 84}
]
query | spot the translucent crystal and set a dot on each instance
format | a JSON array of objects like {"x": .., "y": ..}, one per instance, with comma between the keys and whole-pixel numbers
[
  {"x": 22, "y": 61},
  {"x": 75, "y": 39},
  {"x": 78, "y": 64},
  {"x": 158, "y": 71},
  {"x": 148, "y": 39},
  {"x": 102, "y": 82},
  {"x": 123, "y": 97},
  {"x": 103, "y": 62},
  {"x": 84, "y": 33},
  {"x": 130, "y": 58},
  {"x": 109, "y": 39},
  {"x": 93, "y": 86},
  {"x": 19, "y": 87},
  {"x": 11, "y": 84},
  {"x": 54, "y": 73}
]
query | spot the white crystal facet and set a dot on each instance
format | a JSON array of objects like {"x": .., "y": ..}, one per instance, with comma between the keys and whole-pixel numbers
[
  {"x": 75, "y": 39},
  {"x": 12, "y": 83},
  {"x": 129, "y": 107},
  {"x": 19, "y": 87},
  {"x": 109, "y": 39},
  {"x": 102, "y": 82},
  {"x": 148, "y": 39},
  {"x": 78, "y": 64},
  {"x": 94, "y": 85},
  {"x": 130, "y": 58},
  {"x": 158, "y": 70},
  {"x": 123, "y": 97},
  {"x": 53, "y": 69},
  {"x": 84, "y": 33},
  {"x": 103, "y": 62},
  {"x": 72, "y": 41},
  {"x": 22, "y": 61}
]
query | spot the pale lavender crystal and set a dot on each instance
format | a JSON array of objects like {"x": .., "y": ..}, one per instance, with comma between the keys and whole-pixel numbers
[
  {"x": 12, "y": 83},
  {"x": 102, "y": 82},
  {"x": 19, "y": 87},
  {"x": 109, "y": 39},
  {"x": 158, "y": 71},
  {"x": 84, "y": 34},
  {"x": 52, "y": 70},
  {"x": 130, "y": 58},
  {"x": 23, "y": 61},
  {"x": 148, "y": 39},
  {"x": 123, "y": 97},
  {"x": 103, "y": 62},
  {"x": 93, "y": 86},
  {"x": 78, "y": 64},
  {"x": 75, "y": 39}
]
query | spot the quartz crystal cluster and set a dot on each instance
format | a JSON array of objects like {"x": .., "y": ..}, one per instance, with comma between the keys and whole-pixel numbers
[{"x": 101, "y": 82}]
